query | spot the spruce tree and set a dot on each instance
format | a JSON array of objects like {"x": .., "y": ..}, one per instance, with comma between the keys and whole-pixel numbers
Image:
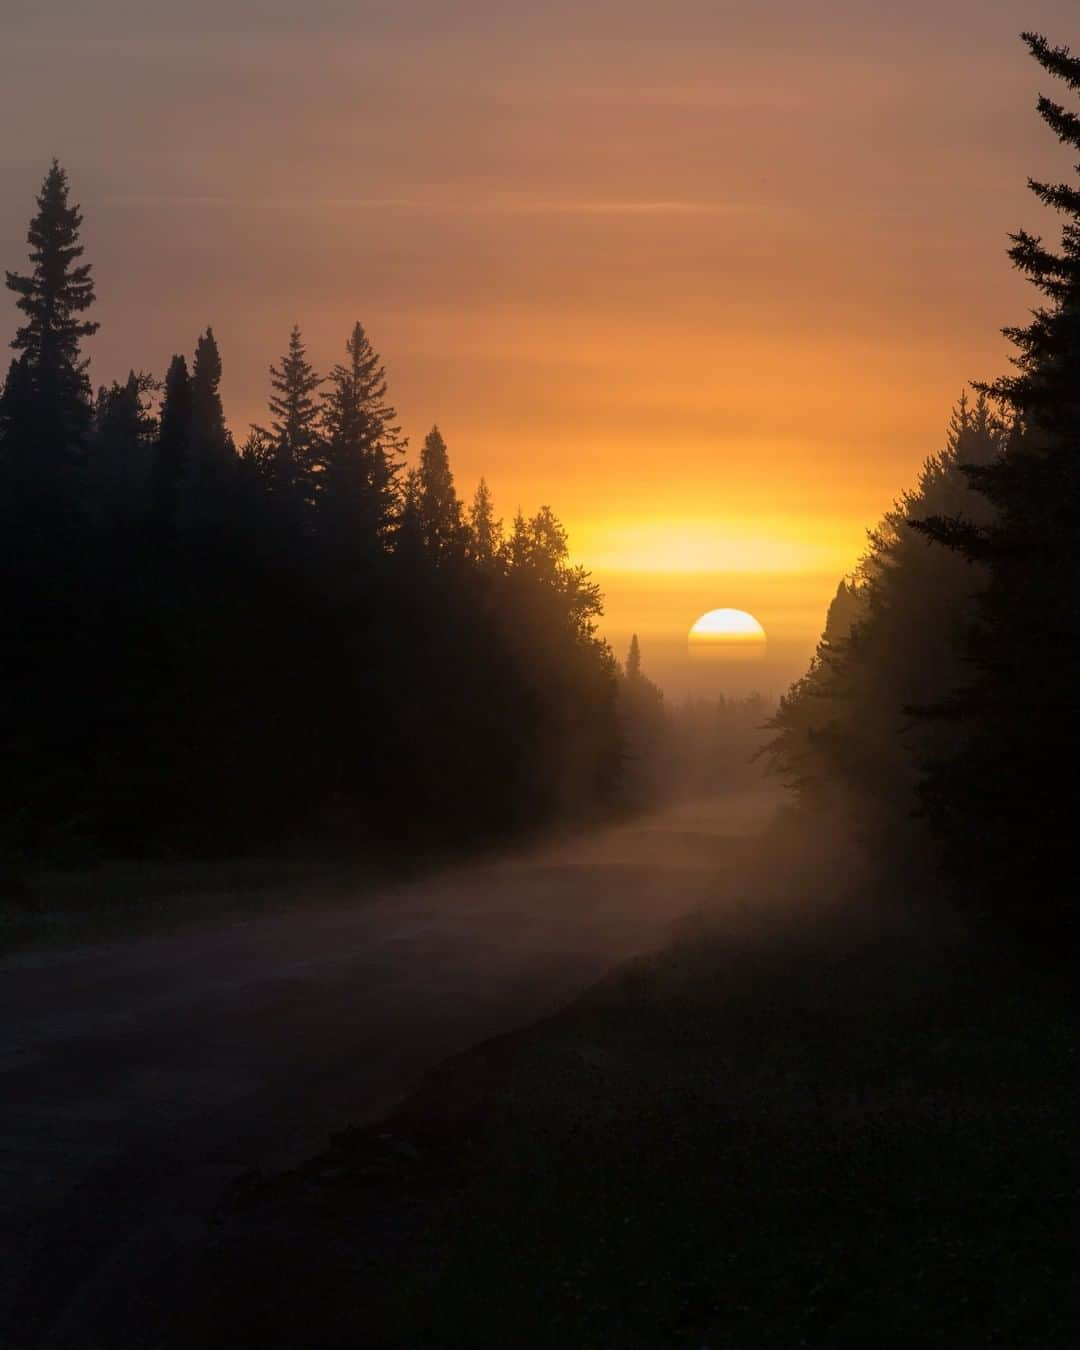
[
  {"x": 633, "y": 659},
  {"x": 291, "y": 442},
  {"x": 122, "y": 441},
  {"x": 360, "y": 446},
  {"x": 173, "y": 450},
  {"x": 55, "y": 403},
  {"x": 485, "y": 532},
  {"x": 210, "y": 440},
  {"x": 996, "y": 802},
  {"x": 440, "y": 508}
]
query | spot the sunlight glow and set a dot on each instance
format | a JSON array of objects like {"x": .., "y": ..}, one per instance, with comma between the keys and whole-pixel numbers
[{"x": 728, "y": 633}]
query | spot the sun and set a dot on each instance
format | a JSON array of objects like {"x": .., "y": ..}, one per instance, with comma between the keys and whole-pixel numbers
[{"x": 728, "y": 635}]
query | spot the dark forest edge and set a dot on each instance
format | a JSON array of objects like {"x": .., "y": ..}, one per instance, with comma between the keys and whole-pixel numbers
[
  {"x": 940, "y": 712},
  {"x": 295, "y": 644}
]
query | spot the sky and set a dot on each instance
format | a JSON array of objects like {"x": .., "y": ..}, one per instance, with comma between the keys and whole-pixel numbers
[{"x": 705, "y": 277}]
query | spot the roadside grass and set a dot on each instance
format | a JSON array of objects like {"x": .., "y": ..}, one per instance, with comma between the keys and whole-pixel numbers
[{"x": 815, "y": 1124}]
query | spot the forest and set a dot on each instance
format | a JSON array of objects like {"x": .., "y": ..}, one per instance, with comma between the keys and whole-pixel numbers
[
  {"x": 734, "y": 1024},
  {"x": 212, "y": 646},
  {"x": 940, "y": 712}
]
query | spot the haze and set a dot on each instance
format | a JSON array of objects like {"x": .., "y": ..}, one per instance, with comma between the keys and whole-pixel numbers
[{"x": 569, "y": 248}]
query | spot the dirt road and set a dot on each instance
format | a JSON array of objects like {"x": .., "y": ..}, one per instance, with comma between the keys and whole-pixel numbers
[{"x": 139, "y": 1077}]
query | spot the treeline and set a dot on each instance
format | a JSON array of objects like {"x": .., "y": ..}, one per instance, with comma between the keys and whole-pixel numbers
[
  {"x": 942, "y": 701},
  {"x": 210, "y": 647},
  {"x": 702, "y": 747}
]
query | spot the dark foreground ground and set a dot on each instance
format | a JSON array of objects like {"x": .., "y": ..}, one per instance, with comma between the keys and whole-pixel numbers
[
  {"x": 141, "y": 1076},
  {"x": 817, "y": 1119}
]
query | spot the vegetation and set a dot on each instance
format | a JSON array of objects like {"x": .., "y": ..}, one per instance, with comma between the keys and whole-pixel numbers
[
  {"x": 211, "y": 651},
  {"x": 944, "y": 686}
]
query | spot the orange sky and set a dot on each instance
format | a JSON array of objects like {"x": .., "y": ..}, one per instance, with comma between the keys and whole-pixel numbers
[{"x": 705, "y": 280}]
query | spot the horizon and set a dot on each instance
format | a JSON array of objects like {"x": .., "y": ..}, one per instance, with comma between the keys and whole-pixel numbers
[{"x": 602, "y": 280}]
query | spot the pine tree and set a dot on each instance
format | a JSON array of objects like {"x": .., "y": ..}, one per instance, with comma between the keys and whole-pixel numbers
[
  {"x": 173, "y": 451},
  {"x": 210, "y": 441},
  {"x": 122, "y": 441},
  {"x": 56, "y": 403},
  {"x": 360, "y": 448},
  {"x": 485, "y": 537},
  {"x": 290, "y": 445},
  {"x": 633, "y": 659},
  {"x": 440, "y": 508},
  {"x": 1007, "y": 823}
]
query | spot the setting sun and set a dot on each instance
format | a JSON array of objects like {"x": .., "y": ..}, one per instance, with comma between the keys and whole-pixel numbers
[{"x": 728, "y": 633}]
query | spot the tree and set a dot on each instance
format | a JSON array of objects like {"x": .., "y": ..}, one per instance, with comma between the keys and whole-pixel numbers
[
  {"x": 892, "y": 644},
  {"x": 289, "y": 447},
  {"x": 210, "y": 440},
  {"x": 52, "y": 297},
  {"x": 439, "y": 507},
  {"x": 633, "y": 659},
  {"x": 1006, "y": 822},
  {"x": 485, "y": 536},
  {"x": 172, "y": 453},
  {"x": 361, "y": 446},
  {"x": 122, "y": 441}
]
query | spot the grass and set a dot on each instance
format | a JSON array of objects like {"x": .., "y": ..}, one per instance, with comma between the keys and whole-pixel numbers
[{"x": 805, "y": 1124}]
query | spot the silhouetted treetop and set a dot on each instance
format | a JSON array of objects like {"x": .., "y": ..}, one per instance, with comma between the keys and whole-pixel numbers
[{"x": 52, "y": 297}]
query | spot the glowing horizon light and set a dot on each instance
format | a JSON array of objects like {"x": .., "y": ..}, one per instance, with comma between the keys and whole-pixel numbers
[{"x": 728, "y": 634}]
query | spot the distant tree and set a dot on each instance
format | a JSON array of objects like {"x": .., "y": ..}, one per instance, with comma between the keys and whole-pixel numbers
[
  {"x": 633, "y": 659},
  {"x": 292, "y": 440},
  {"x": 210, "y": 439},
  {"x": 360, "y": 448},
  {"x": 173, "y": 449},
  {"x": 893, "y": 643},
  {"x": 53, "y": 406},
  {"x": 485, "y": 535},
  {"x": 439, "y": 507},
  {"x": 122, "y": 441}
]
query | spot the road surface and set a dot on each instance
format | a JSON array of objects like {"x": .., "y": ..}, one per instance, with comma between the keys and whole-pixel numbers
[{"x": 140, "y": 1076}]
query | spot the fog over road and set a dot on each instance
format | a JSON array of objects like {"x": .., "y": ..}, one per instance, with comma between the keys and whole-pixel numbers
[{"x": 140, "y": 1076}]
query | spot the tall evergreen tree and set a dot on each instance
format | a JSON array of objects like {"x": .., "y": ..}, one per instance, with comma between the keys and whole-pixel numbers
[
  {"x": 440, "y": 509},
  {"x": 173, "y": 450},
  {"x": 485, "y": 531},
  {"x": 55, "y": 403},
  {"x": 361, "y": 446},
  {"x": 122, "y": 441},
  {"x": 1008, "y": 823},
  {"x": 290, "y": 444},
  {"x": 633, "y": 659},
  {"x": 210, "y": 439}
]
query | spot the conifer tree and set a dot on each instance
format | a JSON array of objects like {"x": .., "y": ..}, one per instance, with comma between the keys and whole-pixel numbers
[
  {"x": 485, "y": 532},
  {"x": 633, "y": 659},
  {"x": 360, "y": 447},
  {"x": 210, "y": 441},
  {"x": 55, "y": 401},
  {"x": 122, "y": 440},
  {"x": 440, "y": 508},
  {"x": 290, "y": 444},
  {"x": 173, "y": 450},
  {"x": 1006, "y": 822}
]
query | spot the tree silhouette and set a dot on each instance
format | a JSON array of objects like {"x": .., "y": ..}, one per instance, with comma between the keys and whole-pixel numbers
[
  {"x": 54, "y": 403},
  {"x": 172, "y": 453},
  {"x": 485, "y": 537},
  {"x": 1007, "y": 826},
  {"x": 633, "y": 659},
  {"x": 437, "y": 500},
  {"x": 361, "y": 446},
  {"x": 289, "y": 447},
  {"x": 210, "y": 439}
]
